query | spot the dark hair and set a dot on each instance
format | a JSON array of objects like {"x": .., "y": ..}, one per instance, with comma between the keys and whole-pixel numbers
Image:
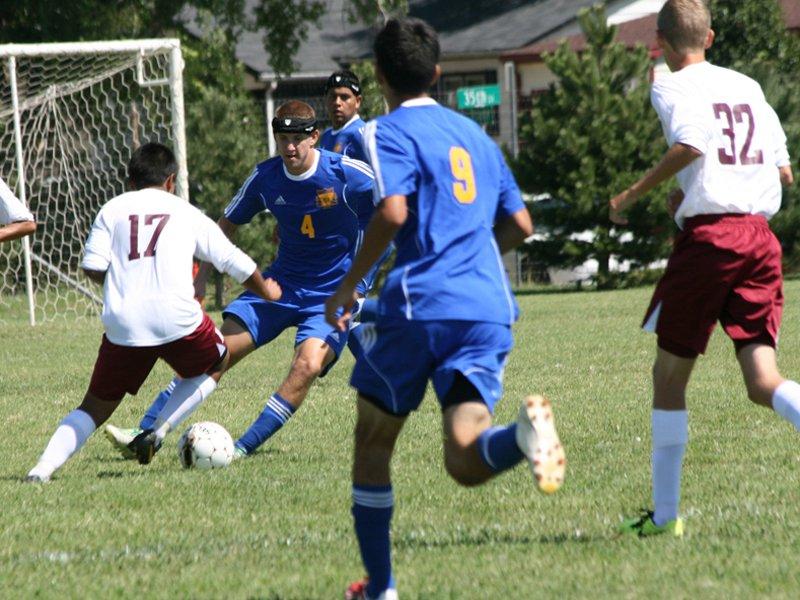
[
  {"x": 407, "y": 52},
  {"x": 151, "y": 165},
  {"x": 343, "y": 78}
]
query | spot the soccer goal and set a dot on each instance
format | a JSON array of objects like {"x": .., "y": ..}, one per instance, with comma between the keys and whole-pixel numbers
[{"x": 70, "y": 116}]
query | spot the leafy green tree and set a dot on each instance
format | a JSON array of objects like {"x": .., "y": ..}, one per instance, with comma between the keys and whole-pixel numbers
[
  {"x": 588, "y": 137},
  {"x": 372, "y": 102},
  {"x": 771, "y": 55}
]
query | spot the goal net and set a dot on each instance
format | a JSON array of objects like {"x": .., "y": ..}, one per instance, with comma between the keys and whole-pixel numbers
[{"x": 70, "y": 117}]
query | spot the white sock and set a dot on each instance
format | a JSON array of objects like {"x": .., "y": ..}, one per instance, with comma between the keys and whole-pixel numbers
[
  {"x": 670, "y": 434},
  {"x": 186, "y": 397},
  {"x": 786, "y": 402},
  {"x": 70, "y": 436}
]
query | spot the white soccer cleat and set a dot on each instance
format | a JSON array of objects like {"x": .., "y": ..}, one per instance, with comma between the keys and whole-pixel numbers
[
  {"x": 537, "y": 438},
  {"x": 120, "y": 438}
]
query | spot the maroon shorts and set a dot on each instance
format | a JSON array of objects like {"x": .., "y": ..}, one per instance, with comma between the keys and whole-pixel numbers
[
  {"x": 726, "y": 268},
  {"x": 121, "y": 369}
]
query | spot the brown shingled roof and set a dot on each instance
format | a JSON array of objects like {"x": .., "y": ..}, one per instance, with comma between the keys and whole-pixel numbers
[{"x": 630, "y": 33}]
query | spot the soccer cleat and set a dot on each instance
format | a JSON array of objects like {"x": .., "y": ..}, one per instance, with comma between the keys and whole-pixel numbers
[
  {"x": 358, "y": 591},
  {"x": 644, "y": 526},
  {"x": 35, "y": 479},
  {"x": 538, "y": 440},
  {"x": 239, "y": 452},
  {"x": 144, "y": 446},
  {"x": 120, "y": 438}
]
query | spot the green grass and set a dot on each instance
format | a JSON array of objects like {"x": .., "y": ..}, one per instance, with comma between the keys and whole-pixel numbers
[{"x": 278, "y": 525}]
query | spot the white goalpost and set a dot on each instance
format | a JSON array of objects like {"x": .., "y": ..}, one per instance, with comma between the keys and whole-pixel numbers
[{"x": 70, "y": 116}]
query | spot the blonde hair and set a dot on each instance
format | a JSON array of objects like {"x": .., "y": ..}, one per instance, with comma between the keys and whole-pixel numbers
[{"x": 684, "y": 24}]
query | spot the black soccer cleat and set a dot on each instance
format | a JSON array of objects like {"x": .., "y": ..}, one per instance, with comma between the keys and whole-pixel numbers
[{"x": 145, "y": 446}]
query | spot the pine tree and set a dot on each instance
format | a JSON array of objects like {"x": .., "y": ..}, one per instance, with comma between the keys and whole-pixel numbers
[{"x": 588, "y": 137}]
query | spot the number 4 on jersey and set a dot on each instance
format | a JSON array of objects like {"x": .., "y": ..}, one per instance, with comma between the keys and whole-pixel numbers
[{"x": 307, "y": 226}]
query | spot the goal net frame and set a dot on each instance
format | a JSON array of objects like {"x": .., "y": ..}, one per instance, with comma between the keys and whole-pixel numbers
[{"x": 150, "y": 66}]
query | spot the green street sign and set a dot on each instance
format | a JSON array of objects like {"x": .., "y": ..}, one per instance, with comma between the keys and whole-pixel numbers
[{"x": 478, "y": 96}]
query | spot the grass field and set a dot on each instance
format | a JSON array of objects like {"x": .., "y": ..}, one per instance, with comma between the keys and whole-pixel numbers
[{"x": 278, "y": 525}]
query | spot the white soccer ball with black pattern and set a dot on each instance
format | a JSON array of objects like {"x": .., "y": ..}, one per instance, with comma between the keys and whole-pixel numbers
[{"x": 205, "y": 446}]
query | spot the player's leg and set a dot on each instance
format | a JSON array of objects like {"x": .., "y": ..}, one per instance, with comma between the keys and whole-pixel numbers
[
  {"x": 393, "y": 364},
  {"x": 752, "y": 320},
  {"x": 240, "y": 343},
  {"x": 200, "y": 359},
  {"x": 311, "y": 358},
  {"x": 373, "y": 501},
  {"x": 468, "y": 381},
  {"x": 117, "y": 371},
  {"x": 765, "y": 385}
]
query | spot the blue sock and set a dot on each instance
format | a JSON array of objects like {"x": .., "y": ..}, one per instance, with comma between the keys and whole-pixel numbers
[
  {"x": 149, "y": 418},
  {"x": 372, "y": 513},
  {"x": 498, "y": 447},
  {"x": 272, "y": 418}
]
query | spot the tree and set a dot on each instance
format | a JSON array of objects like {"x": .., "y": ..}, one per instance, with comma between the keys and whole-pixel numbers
[
  {"x": 588, "y": 137},
  {"x": 771, "y": 56}
]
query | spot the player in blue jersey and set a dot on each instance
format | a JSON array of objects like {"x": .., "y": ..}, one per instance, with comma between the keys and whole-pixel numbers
[
  {"x": 342, "y": 100},
  {"x": 447, "y": 198},
  {"x": 314, "y": 195}
]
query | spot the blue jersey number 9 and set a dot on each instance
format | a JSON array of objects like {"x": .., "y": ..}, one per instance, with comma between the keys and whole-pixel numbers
[{"x": 461, "y": 167}]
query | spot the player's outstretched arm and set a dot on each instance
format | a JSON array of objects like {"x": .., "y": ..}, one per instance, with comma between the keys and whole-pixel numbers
[
  {"x": 96, "y": 276},
  {"x": 512, "y": 231},
  {"x": 677, "y": 158},
  {"x": 388, "y": 218},
  {"x": 787, "y": 177},
  {"x": 229, "y": 229},
  {"x": 14, "y": 231},
  {"x": 269, "y": 289}
]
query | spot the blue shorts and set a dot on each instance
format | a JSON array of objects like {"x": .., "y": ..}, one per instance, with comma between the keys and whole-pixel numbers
[
  {"x": 395, "y": 360},
  {"x": 297, "y": 307}
]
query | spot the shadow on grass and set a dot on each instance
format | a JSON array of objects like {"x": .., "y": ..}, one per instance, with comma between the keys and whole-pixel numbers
[
  {"x": 416, "y": 541},
  {"x": 113, "y": 474}
]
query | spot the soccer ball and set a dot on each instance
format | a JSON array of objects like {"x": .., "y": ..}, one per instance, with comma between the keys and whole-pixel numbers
[{"x": 205, "y": 446}]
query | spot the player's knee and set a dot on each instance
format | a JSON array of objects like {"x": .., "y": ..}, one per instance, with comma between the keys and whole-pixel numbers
[
  {"x": 761, "y": 389},
  {"x": 307, "y": 368},
  {"x": 462, "y": 473}
]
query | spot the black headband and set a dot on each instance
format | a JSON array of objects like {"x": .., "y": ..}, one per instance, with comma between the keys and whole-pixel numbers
[
  {"x": 293, "y": 125},
  {"x": 338, "y": 80}
]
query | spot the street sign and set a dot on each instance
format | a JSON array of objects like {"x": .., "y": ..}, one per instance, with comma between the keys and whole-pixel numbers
[{"x": 478, "y": 96}]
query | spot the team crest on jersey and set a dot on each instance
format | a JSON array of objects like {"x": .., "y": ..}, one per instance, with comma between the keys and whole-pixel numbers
[
  {"x": 337, "y": 148},
  {"x": 327, "y": 198}
]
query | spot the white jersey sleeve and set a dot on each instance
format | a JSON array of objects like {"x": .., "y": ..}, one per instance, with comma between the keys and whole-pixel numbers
[
  {"x": 12, "y": 210},
  {"x": 212, "y": 246},
  {"x": 681, "y": 119},
  {"x": 779, "y": 139},
  {"x": 97, "y": 252}
]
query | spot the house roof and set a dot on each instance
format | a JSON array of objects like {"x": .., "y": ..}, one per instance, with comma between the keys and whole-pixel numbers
[
  {"x": 630, "y": 33},
  {"x": 469, "y": 27},
  {"x": 791, "y": 13}
]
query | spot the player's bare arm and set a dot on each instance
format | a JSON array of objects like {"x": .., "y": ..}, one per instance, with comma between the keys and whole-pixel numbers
[
  {"x": 677, "y": 158},
  {"x": 786, "y": 175},
  {"x": 389, "y": 217},
  {"x": 512, "y": 231},
  {"x": 98, "y": 277},
  {"x": 674, "y": 199},
  {"x": 269, "y": 289},
  {"x": 14, "y": 231},
  {"x": 229, "y": 229}
]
